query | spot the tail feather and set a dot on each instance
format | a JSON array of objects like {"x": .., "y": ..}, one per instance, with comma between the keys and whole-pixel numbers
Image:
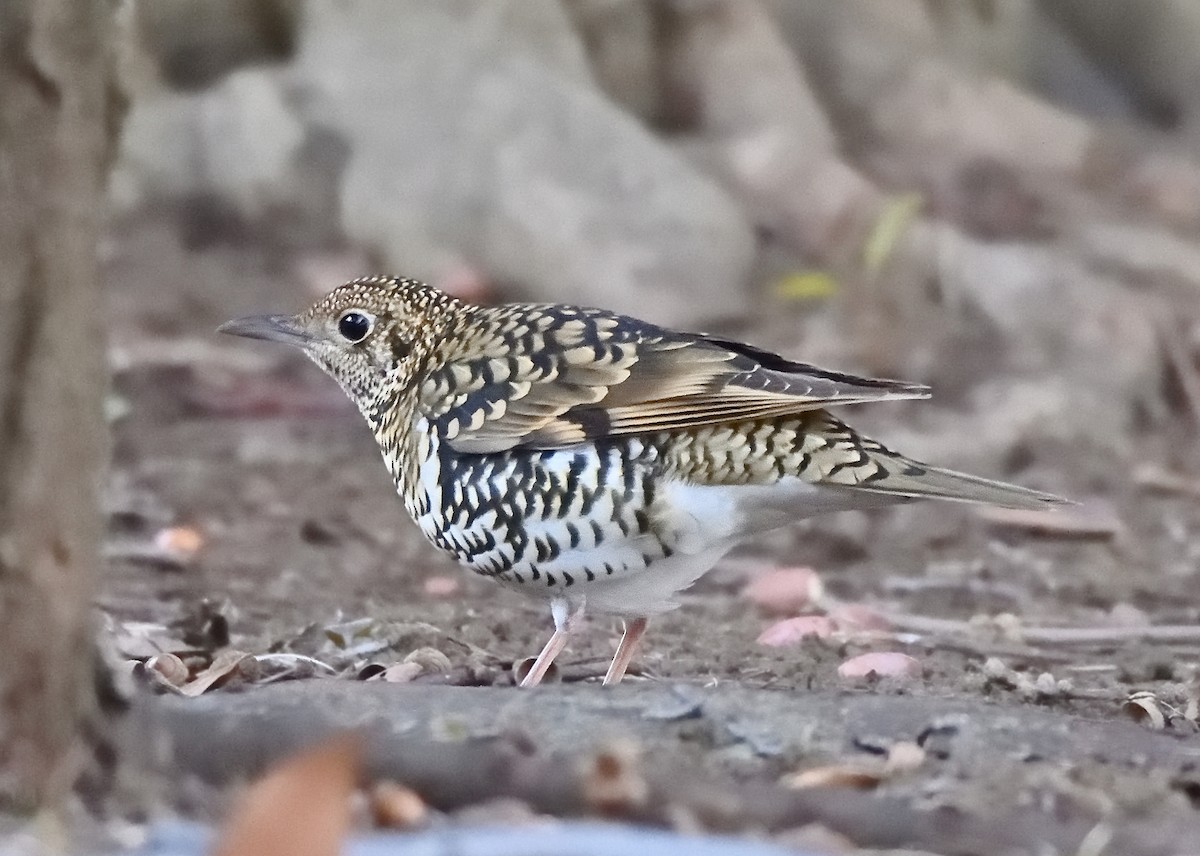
[
  {"x": 918, "y": 481},
  {"x": 840, "y": 456}
]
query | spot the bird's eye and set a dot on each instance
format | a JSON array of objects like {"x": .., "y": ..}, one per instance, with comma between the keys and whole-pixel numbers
[{"x": 355, "y": 326}]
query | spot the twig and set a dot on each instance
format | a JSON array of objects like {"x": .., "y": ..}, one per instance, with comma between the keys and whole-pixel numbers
[
  {"x": 1163, "y": 634},
  {"x": 1156, "y": 478}
]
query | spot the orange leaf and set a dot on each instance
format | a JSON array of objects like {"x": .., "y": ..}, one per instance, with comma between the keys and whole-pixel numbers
[{"x": 300, "y": 807}]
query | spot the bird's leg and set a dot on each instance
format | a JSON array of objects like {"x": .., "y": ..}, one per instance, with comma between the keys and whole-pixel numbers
[
  {"x": 564, "y": 622},
  {"x": 634, "y": 628}
]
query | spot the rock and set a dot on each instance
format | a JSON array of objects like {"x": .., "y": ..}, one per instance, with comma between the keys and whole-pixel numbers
[
  {"x": 785, "y": 591},
  {"x": 194, "y": 42},
  {"x": 237, "y": 142},
  {"x": 623, "y": 50},
  {"x": 795, "y": 631},
  {"x": 477, "y": 139},
  {"x": 1149, "y": 50},
  {"x": 756, "y": 123},
  {"x": 442, "y": 586},
  {"x": 883, "y": 664},
  {"x": 1053, "y": 311},
  {"x": 898, "y": 70}
]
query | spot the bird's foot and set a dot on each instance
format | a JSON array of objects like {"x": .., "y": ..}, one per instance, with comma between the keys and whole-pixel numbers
[{"x": 634, "y": 629}]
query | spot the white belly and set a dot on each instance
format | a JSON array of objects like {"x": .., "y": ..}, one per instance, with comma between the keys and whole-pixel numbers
[{"x": 599, "y": 525}]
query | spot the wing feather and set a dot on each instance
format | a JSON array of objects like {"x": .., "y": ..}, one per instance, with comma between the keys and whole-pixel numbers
[{"x": 546, "y": 377}]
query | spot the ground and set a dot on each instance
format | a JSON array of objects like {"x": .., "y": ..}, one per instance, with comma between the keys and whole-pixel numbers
[{"x": 303, "y": 538}]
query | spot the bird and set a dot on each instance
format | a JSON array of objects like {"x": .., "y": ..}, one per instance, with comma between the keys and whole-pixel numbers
[{"x": 595, "y": 460}]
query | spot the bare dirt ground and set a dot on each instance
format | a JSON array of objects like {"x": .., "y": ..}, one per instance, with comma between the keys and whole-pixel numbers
[{"x": 303, "y": 538}]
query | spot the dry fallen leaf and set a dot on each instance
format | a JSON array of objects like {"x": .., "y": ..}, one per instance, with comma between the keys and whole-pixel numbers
[
  {"x": 901, "y": 758},
  {"x": 612, "y": 779},
  {"x": 169, "y": 667},
  {"x": 399, "y": 673},
  {"x": 301, "y": 807},
  {"x": 431, "y": 660},
  {"x": 394, "y": 806},
  {"x": 521, "y": 668},
  {"x": 225, "y": 666},
  {"x": 1144, "y": 707},
  {"x": 860, "y": 776}
]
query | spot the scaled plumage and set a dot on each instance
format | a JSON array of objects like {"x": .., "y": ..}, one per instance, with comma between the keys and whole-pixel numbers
[{"x": 594, "y": 458}]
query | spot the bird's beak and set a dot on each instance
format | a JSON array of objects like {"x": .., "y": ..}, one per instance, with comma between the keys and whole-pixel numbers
[{"x": 273, "y": 328}]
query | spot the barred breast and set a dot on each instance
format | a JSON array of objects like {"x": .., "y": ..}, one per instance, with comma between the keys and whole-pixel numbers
[
  {"x": 626, "y": 523},
  {"x": 553, "y": 519}
]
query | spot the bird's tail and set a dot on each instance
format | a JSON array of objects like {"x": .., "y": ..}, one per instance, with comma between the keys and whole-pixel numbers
[
  {"x": 847, "y": 459},
  {"x": 918, "y": 481}
]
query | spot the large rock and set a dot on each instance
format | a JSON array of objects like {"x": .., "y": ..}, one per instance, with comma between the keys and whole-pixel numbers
[
  {"x": 194, "y": 43},
  {"x": 237, "y": 141},
  {"x": 1147, "y": 49},
  {"x": 624, "y": 45},
  {"x": 477, "y": 136},
  {"x": 756, "y": 124}
]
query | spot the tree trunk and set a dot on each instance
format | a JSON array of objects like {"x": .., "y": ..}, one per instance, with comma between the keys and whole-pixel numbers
[{"x": 55, "y": 141}]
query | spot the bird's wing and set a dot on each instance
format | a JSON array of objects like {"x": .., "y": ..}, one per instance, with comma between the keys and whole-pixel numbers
[{"x": 548, "y": 377}]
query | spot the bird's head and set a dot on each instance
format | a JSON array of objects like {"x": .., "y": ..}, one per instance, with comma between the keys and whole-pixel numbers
[{"x": 372, "y": 335}]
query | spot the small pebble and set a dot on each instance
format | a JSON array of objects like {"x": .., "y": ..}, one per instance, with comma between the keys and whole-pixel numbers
[
  {"x": 181, "y": 541},
  {"x": 904, "y": 757},
  {"x": 785, "y": 591},
  {"x": 394, "y": 806},
  {"x": 400, "y": 673},
  {"x": 793, "y": 631},
  {"x": 859, "y": 777},
  {"x": 442, "y": 586},
  {"x": 1127, "y": 615},
  {"x": 885, "y": 664}
]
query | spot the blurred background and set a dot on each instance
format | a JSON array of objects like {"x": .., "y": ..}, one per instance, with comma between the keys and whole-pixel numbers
[{"x": 999, "y": 198}]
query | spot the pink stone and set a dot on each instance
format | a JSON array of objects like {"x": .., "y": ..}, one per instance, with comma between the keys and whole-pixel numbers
[
  {"x": 885, "y": 664},
  {"x": 793, "y": 631},
  {"x": 858, "y": 616},
  {"x": 785, "y": 591},
  {"x": 442, "y": 586}
]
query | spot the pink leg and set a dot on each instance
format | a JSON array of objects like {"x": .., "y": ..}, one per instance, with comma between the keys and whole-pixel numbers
[
  {"x": 634, "y": 628},
  {"x": 563, "y": 625}
]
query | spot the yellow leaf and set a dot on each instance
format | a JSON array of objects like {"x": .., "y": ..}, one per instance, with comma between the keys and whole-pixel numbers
[
  {"x": 807, "y": 285},
  {"x": 898, "y": 212}
]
